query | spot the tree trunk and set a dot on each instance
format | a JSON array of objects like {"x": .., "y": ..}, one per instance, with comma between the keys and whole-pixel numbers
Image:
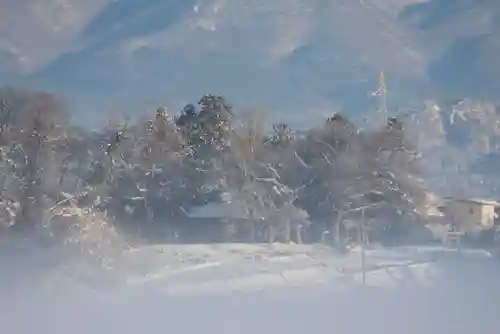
[
  {"x": 253, "y": 224},
  {"x": 31, "y": 197},
  {"x": 298, "y": 233},
  {"x": 337, "y": 240},
  {"x": 288, "y": 231},
  {"x": 270, "y": 234}
]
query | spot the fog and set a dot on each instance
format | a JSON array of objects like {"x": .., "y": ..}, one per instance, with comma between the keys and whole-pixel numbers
[{"x": 465, "y": 299}]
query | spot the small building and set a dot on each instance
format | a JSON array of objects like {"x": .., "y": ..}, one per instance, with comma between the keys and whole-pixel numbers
[
  {"x": 230, "y": 220},
  {"x": 470, "y": 215},
  {"x": 215, "y": 222}
]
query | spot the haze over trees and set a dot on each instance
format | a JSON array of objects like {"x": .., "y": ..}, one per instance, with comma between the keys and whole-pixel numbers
[{"x": 145, "y": 175}]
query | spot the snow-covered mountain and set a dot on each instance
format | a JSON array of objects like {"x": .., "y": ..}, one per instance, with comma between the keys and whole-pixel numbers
[
  {"x": 287, "y": 55},
  {"x": 463, "y": 42}
]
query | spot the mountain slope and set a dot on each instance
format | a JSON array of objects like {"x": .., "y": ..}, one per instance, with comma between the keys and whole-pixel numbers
[
  {"x": 287, "y": 56},
  {"x": 33, "y": 32},
  {"x": 318, "y": 54},
  {"x": 462, "y": 39}
]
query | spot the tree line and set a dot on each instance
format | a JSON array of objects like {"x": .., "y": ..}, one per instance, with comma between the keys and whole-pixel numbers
[{"x": 296, "y": 185}]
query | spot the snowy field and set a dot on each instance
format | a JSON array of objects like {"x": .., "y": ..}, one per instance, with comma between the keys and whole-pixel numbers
[
  {"x": 218, "y": 268},
  {"x": 241, "y": 288}
]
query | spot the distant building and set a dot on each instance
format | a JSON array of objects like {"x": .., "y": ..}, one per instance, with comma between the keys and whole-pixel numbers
[
  {"x": 216, "y": 222},
  {"x": 230, "y": 220},
  {"x": 219, "y": 210},
  {"x": 470, "y": 215}
]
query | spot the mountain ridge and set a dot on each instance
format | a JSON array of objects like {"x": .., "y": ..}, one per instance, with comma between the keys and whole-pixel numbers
[{"x": 315, "y": 53}]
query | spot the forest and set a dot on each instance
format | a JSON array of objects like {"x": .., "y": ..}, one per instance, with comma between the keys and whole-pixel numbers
[{"x": 144, "y": 175}]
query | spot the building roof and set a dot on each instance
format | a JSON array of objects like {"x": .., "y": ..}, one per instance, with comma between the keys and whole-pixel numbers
[
  {"x": 227, "y": 208},
  {"x": 433, "y": 211},
  {"x": 479, "y": 201}
]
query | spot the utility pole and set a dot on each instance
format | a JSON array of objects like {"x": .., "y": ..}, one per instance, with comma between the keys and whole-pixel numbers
[
  {"x": 381, "y": 92},
  {"x": 363, "y": 256},
  {"x": 361, "y": 238},
  {"x": 383, "y": 95},
  {"x": 361, "y": 235}
]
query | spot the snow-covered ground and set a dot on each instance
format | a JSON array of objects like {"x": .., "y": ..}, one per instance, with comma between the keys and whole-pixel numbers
[
  {"x": 219, "y": 268},
  {"x": 239, "y": 267},
  {"x": 241, "y": 288}
]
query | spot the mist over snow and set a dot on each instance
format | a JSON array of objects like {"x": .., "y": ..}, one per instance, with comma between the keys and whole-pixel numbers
[{"x": 461, "y": 297}]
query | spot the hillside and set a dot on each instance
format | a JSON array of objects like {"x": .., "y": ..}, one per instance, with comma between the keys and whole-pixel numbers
[
  {"x": 462, "y": 42},
  {"x": 316, "y": 54},
  {"x": 278, "y": 56}
]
